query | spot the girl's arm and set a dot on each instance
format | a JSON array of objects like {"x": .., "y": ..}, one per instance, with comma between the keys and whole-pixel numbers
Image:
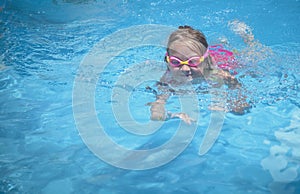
[
  {"x": 158, "y": 112},
  {"x": 236, "y": 104}
]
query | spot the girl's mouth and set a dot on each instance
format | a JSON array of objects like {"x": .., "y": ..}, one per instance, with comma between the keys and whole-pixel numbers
[{"x": 189, "y": 77}]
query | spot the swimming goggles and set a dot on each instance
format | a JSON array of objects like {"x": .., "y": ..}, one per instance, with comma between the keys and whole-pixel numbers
[{"x": 192, "y": 62}]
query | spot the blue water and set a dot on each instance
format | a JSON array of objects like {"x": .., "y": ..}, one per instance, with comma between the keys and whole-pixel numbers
[{"x": 43, "y": 44}]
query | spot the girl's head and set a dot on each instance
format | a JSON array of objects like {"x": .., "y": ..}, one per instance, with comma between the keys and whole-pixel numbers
[{"x": 190, "y": 47}]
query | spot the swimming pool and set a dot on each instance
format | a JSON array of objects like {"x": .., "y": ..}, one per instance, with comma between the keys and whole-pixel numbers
[{"x": 45, "y": 44}]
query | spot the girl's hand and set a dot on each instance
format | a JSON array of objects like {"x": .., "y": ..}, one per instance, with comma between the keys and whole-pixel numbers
[
  {"x": 183, "y": 116},
  {"x": 157, "y": 109},
  {"x": 158, "y": 112},
  {"x": 240, "y": 106}
]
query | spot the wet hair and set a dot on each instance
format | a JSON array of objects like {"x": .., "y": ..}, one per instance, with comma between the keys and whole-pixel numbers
[
  {"x": 195, "y": 34},
  {"x": 194, "y": 39}
]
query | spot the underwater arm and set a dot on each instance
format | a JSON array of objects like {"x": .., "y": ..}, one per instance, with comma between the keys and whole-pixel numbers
[
  {"x": 158, "y": 112},
  {"x": 236, "y": 101},
  {"x": 236, "y": 104}
]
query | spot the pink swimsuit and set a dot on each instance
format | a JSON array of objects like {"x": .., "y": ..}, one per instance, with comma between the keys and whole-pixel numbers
[{"x": 222, "y": 57}]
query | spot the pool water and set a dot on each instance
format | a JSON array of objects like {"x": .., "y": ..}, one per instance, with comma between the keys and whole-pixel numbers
[{"x": 44, "y": 44}]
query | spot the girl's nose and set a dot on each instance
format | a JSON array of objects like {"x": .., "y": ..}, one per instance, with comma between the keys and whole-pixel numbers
[{"x": 185, "y": 68}]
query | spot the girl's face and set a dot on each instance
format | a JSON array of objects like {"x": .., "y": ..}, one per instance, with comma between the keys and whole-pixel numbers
[{"x": 184, "y": 53}]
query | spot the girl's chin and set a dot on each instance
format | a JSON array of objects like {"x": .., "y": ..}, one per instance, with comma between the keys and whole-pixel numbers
[
  {"x": 184, "y": 78},
  {"x": 181, "y": 78}
]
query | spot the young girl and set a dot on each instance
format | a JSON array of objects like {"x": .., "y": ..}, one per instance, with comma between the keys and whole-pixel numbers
[{"x": 190, "y": 59}]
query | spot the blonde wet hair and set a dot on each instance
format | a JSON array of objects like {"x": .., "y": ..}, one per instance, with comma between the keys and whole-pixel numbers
[{"x": 194, "y": 40}]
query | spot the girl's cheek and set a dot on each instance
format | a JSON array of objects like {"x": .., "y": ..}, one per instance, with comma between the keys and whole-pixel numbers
[
  {"x": 197, "y": 70},
  {"x": 175, "y": 69}
]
